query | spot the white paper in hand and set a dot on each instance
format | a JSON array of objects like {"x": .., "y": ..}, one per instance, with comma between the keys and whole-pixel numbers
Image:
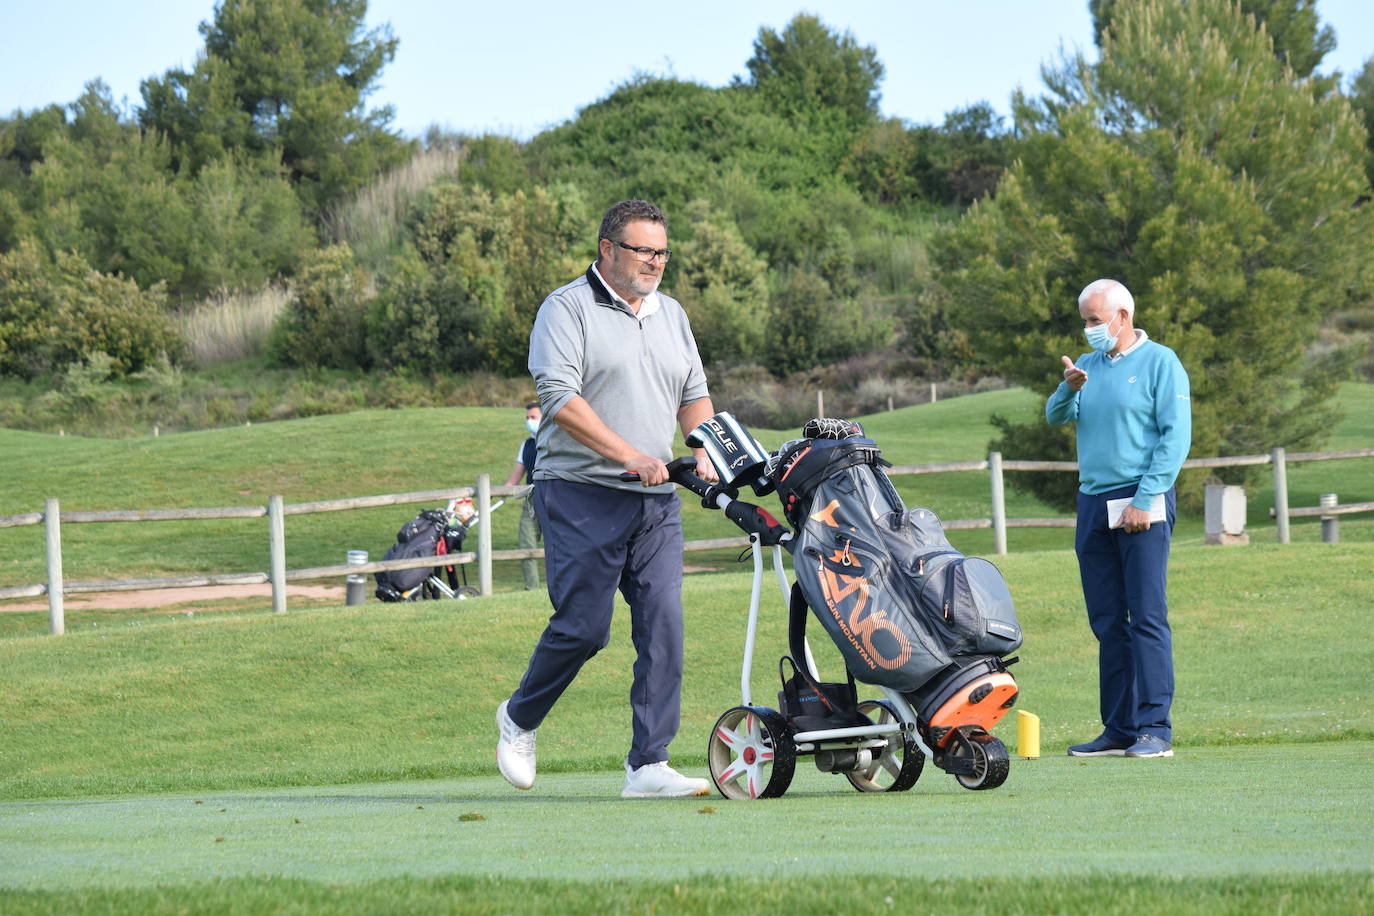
[{"x": 1115, "y": 508}]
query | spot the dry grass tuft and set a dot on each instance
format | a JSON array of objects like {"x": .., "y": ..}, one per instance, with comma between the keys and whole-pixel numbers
[{"x": 230, "y": 326}]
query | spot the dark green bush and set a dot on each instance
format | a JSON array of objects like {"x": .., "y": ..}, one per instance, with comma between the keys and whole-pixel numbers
[
  {"x": 325, "y": 322},
  {"x": 56, "y": 314}
]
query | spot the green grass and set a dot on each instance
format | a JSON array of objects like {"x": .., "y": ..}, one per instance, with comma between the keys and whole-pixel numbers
[
  {"x": 1248, "y": 808},
  {"x": 1270, "y": 644},
  {"x": 340, "y": 759},
  {"x": 387, "y": 451},
  {"x": 349, "y": 748},
  {"x": 880, "y": 892}
]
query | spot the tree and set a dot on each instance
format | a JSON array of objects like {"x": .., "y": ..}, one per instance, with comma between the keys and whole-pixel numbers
[
  {"x": 809, "y": 326},
  {"x": 1300, "y": 40},
  {"x": 424, "y": 321},
  {"x": 109, "y": 191},
  {"x": 289, "y": 78},
  {"x": 955, "y": 163},
  {"x": 508, "y": 252},
  {"x": 808, "y": 71},
  {"x": 1362, "y": 98},
  {"x": 722, "y": 284},
  {"x": 1189, "y": 165}
]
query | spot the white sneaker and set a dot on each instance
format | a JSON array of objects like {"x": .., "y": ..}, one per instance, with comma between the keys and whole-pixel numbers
[
  {"x": 658, "y": 780},
  {"x": 514, "y": 750}
]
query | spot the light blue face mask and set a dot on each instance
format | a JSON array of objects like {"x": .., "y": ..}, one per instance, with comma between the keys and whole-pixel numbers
[
  {"x": 1100, "y": 337},
  {"x": 532, "y": 425}
]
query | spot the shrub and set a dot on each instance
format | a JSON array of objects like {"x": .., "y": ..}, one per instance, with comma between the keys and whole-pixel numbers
[
  {"x": 424, "y": 320},
  {"x": 324, "y": 323},
  {"x": 54, "y": 315}
]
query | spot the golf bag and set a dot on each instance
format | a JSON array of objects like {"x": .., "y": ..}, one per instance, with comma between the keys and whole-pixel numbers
[
  {"x": 431, "y": 533},
  {"x": 907, "y": 610}
]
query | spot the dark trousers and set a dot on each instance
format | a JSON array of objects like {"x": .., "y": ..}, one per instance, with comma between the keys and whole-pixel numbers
[
  {"x": 1124, "y": 579},
  {"x": 598, "y": 540}
]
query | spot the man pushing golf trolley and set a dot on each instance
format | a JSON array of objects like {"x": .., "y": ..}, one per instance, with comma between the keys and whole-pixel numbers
[{"x": 909, "y": 613}]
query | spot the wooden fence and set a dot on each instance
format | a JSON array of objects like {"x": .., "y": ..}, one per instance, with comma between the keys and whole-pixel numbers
[{"x": 52, "y": 518}]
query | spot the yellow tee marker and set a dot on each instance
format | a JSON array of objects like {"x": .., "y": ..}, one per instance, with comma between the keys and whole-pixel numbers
[{"x": 1027, "y": 734}]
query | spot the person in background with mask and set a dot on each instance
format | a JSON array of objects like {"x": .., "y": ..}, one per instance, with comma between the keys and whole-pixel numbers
[
  {"x": 1130, "y": 400},
  {"x": 529, "y": 536}
]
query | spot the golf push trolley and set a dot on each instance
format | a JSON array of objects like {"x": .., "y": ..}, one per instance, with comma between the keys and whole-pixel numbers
[{"x": 879, "y": 745}]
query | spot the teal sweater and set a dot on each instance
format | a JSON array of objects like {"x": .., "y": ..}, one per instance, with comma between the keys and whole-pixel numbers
[{"x": 1135, "y": 421}]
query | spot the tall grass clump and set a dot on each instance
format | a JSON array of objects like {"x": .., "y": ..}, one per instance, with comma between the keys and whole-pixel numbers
[
  {"x": 372, "y": 221},
  {"x": 231, "y": 326}
]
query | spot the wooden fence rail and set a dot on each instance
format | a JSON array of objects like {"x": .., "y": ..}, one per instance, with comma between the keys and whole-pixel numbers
[{"x": 52, "y": 518}]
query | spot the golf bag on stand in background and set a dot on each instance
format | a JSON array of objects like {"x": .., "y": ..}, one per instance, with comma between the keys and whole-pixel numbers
[{"x": 432, "y": 533}]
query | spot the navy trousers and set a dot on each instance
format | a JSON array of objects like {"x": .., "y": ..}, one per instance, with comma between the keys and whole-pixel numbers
[
  {"x": 598, "y": 540},
  {"x": 1124, "y": 580}
]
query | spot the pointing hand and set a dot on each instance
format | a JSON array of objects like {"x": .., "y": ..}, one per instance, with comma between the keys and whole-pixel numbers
[{"x": 1074, "y": 376}]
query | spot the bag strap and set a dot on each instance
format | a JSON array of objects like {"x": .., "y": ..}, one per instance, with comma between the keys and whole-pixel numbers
[
  {"x": 796, "y": 623},
  {"x": 796, "y": 642}
]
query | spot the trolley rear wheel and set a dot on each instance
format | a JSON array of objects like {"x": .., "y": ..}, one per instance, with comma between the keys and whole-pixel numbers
[
  {"x": 751, "y": 754},
  {"x": 895, "y": 768}
]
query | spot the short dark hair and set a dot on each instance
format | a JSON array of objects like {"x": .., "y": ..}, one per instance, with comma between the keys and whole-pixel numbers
[
  {"x": 628, "y": 211},
  {"x": 531, "y": 404}
]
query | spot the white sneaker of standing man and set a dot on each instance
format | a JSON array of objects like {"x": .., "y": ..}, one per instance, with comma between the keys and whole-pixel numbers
[
  {"x": 514, "y": 750},
  {"x": 658, "y": 780}
]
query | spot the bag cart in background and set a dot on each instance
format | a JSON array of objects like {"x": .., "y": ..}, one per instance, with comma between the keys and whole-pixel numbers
[
  {"x": 939, "y": 668},
  {"x": 432, "y": 533}
]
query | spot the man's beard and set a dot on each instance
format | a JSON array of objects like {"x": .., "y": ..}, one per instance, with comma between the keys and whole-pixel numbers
[{"x": 641, "y": 287}]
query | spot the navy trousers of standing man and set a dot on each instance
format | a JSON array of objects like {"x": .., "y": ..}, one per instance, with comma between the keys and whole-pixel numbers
[
  {"x": 598, "y": 540},
  {"x": 1124, "y": 580}
]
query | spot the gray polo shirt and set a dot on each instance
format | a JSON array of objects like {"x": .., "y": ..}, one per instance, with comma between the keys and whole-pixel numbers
[{"x": 634, "y": 372}]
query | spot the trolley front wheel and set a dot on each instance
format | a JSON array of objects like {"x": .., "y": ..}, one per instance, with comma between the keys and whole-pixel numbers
[
  {"x": 751, "y": 754},
  {"x": 990, "y": 762}
]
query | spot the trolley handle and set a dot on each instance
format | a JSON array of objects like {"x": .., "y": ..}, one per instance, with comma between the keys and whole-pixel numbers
[
  {"x": 750, "y": 518},
  {"x": 754, "y": 519},
  {"x": 682, "y": 471}
]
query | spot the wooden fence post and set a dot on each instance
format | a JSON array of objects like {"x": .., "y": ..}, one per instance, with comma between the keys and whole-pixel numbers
[
  {"x": 52, "y": 526},
  {"x": 484, "y": 534},
  {"x": 820, "y": 402},
  {"x": 1281, "y": 494},
  {"x": 276, "y": 545},
  {"x": 999, "y": 505}
]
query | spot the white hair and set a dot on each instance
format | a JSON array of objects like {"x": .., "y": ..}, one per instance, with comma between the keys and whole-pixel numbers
[{"x": 1116, "y": 295}]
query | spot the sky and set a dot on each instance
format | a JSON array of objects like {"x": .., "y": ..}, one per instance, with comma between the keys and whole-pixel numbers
[{"x": 518, "y": 68}]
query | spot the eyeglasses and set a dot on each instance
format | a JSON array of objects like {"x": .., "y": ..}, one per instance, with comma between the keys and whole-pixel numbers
[{"x": 645, "y": 253}]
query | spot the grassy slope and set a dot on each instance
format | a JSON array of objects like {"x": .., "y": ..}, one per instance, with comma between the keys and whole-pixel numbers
[{"x": 381, "y": 451}]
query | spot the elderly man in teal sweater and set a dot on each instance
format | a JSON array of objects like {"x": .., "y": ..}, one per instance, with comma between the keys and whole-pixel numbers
[{"x": 1130, "y": 400}]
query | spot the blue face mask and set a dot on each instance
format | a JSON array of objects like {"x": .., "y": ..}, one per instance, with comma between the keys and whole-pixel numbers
[
  {"x": 1100, "y": 337},
  {"x": 532, "y": 425}
]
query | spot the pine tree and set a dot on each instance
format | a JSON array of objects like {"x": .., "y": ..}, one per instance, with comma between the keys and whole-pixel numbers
[
  {"x": 287, "y": 78},
  {"x": 808, "y": 71},
  {"x": 1193, "y": 166}
]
